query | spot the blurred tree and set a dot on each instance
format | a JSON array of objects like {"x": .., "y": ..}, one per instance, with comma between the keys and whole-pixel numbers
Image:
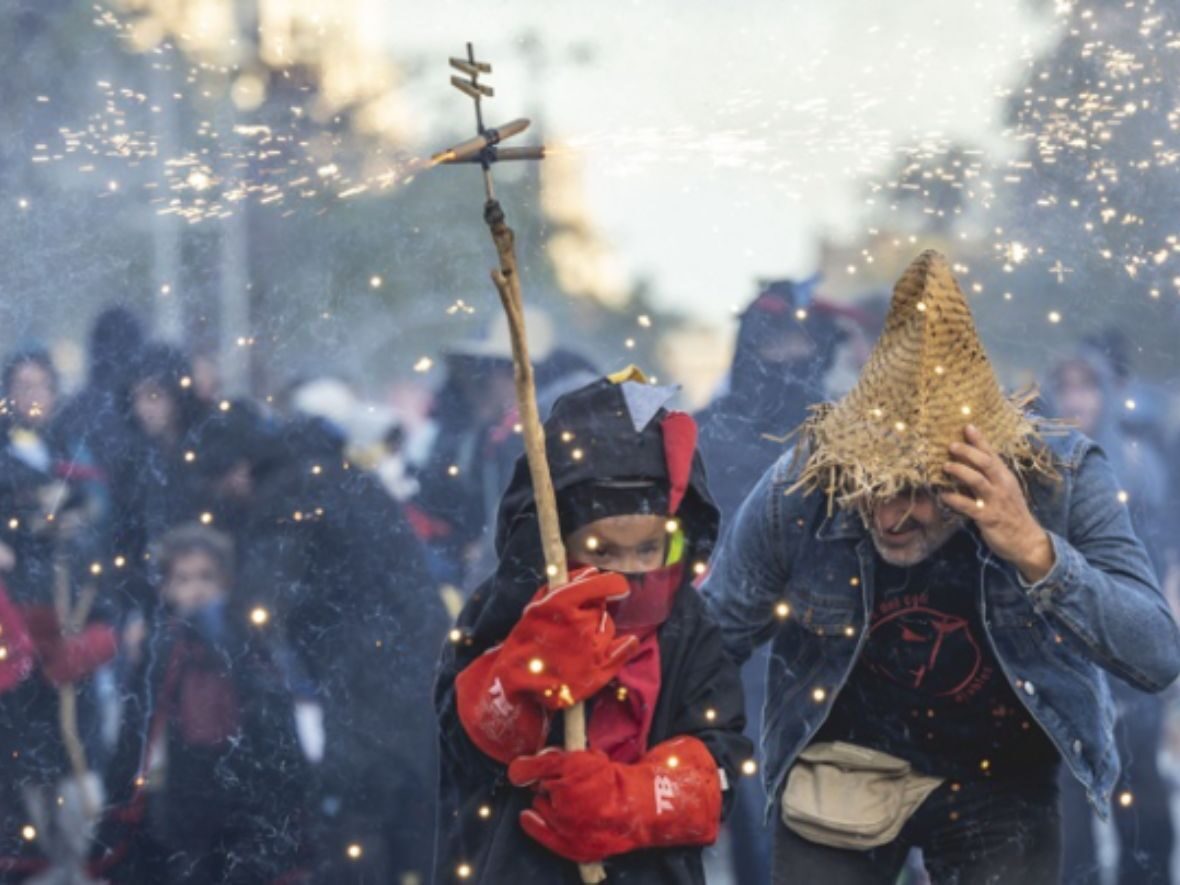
[
  {"x": 245, "y": 173},
  {"x": 66, "y": 165}
]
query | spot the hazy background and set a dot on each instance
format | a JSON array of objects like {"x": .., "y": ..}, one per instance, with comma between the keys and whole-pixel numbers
[{"x": 250, "y": 172}]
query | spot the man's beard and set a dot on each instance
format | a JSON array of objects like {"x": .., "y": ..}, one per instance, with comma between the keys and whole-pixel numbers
[{"x": 925, "y": 545}]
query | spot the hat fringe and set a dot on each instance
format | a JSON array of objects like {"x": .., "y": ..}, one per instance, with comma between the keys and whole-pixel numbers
[{"x": 854, "y": 485}]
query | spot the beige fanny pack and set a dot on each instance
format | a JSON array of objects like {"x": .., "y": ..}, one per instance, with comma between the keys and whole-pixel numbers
[{"x": 847, "y": 796}]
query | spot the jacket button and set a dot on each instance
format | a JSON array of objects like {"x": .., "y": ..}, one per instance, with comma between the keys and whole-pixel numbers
[
  {"x": 1077, "y": 747},
  {"x": 1029, "y": 688}
]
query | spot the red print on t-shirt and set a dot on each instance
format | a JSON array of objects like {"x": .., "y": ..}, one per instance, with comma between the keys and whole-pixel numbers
[{"x": 924, "y": 649}]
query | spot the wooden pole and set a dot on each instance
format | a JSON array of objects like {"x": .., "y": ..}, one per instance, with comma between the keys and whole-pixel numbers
[
  {"x": 507, "y": 281},
  {"x": 70, "y": 620}
]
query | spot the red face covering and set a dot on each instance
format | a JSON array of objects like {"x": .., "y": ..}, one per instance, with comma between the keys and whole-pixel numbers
[{"x": 621, "y": 719}]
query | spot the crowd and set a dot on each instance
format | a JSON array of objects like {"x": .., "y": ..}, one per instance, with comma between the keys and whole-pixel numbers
[
  {"x": 218, "y": 635},
  {"x": 220, "y": 619}
]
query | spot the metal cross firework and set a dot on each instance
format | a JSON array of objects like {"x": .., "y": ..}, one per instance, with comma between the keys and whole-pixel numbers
[{"x": 484, "y": 149}]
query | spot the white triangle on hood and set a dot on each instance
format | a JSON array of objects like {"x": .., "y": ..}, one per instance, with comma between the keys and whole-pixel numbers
[{"x": 645, "y": 400}]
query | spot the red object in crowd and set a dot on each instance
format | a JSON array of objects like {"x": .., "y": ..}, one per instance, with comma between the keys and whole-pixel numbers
[
  {"x": 19, "y": 655},
  {"x": 426, "y": 528},
  {"x": 68, "y": 658}
]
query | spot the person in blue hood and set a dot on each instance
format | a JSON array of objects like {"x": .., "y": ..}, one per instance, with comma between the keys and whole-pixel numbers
[{"x": 1085, "y": 388}]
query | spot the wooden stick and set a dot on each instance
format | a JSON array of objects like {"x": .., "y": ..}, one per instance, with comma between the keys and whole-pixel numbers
[
  {"x": 507, "y": 281},
  {"x": 70, "y": 621}
]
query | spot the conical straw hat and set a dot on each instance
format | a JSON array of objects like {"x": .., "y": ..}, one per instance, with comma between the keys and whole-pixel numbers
[{"x": 926, "y": 380}]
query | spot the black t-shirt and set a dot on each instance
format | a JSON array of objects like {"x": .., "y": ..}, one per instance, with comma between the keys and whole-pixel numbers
[{"x": 927, "y": 687}]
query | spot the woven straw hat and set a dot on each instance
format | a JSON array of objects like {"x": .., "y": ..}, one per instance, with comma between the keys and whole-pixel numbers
[{"x": 926, "y": 380}]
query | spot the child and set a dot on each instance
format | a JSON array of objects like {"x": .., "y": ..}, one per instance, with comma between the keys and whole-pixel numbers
[
  {"x": 628, "y": 635},
  {"x": 216, "y": 776}
]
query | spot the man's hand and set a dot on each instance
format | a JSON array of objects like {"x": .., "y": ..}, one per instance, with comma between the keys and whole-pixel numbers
[{"x": 998, "y": 507}]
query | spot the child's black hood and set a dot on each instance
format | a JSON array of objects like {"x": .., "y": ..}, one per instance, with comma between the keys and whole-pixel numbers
[{"x": 590, "y": 438}]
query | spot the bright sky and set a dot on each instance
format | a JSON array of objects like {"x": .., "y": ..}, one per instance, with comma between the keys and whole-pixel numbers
[{"x": 720, "y": 140}]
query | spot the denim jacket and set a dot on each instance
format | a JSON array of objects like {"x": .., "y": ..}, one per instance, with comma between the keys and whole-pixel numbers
[{"x": 789, "y": 573}]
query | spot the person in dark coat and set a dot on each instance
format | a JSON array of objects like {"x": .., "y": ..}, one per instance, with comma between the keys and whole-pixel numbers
[
  {"x": 786, "y": 345},
  {"x": 52, "y": 495},
  {"x": 97, "y": 416},
  {"x": 1084, "y": 389},
  {"x": 209, "y": 770},
  {"x": 232, "y": 450},
  {"x": 330, "y": 555},
  {"x": 96, "y": 425},
  {"x": 628, "y": 635},
  {"x": 50, "y": 510},
  {"x": 159, "y": 488},
  {"x": 469, "y": 463},
  {"x": 168, "y": 416}
]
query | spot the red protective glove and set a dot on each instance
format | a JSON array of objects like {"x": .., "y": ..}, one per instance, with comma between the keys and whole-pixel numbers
[
  {"x": 589, "y": 808},
  {"x": 68, "y": 658},
  {"x": 561, "y": 651}
]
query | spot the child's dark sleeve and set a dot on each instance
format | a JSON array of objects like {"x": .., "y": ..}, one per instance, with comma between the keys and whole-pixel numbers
[
  {"x": 461, "y": 761},
  {"x": 711, "y": 707}
]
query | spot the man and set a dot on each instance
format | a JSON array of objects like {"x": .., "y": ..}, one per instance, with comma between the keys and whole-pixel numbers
[{"x": 942, "y": 581}]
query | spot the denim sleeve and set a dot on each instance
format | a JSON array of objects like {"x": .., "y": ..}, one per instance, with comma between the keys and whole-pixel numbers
[
  {"x": 1102, "y": 588},
  {"x": 749, "y": 572}
]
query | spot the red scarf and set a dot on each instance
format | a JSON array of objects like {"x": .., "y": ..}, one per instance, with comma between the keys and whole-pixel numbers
[{"x": 621, "y": 718}]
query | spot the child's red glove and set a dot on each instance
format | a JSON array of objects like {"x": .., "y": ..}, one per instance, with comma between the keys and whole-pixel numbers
[
  {"x": 68, "y": 658},
  {"x": 589, "y": 808},
  {"x": 561, "y": 651}
]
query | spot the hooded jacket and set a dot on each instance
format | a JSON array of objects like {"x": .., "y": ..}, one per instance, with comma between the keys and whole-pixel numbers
[
  {"x": 744, "y": 430},
  {"x": 1136, "y": 461},
  {"x": 331, "y": 555},
  {"x": 591, "y": 436}
]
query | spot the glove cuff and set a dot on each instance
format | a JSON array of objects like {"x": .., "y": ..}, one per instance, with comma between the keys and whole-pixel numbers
[{"x": 686, "y": 793}]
